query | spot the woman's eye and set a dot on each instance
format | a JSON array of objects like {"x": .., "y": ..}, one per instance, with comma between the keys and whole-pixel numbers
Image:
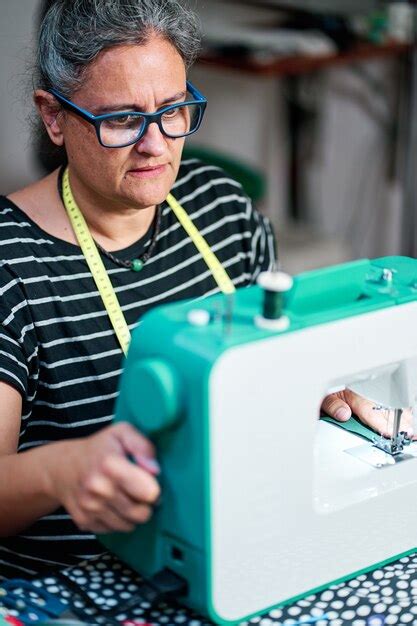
[
  {"x": 125, "y": 121},
  {"x": 172, "y": 113}
]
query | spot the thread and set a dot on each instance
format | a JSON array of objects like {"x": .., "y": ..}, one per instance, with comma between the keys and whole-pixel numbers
[{"x": 275, "y": 286}]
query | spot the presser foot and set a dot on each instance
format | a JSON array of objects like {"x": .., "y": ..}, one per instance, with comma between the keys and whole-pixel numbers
[
  {"x": 399, "y": 439},
  {"x": 394, "y": 445}
]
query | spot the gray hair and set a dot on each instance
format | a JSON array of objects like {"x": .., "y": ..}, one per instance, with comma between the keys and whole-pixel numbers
[{"x": 74, "y": 32}]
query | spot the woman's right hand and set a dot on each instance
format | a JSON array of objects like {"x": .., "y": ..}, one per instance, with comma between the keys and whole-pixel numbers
[{"x": 99, "y": 486}]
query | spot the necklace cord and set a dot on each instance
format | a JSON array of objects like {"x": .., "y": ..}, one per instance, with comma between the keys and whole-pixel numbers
[{"x": 137, "y": 263}]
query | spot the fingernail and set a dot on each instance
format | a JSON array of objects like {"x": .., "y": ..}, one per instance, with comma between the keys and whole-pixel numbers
[
  {"x": 150, "y": 465},
  {"x": 342, "y": 414}
]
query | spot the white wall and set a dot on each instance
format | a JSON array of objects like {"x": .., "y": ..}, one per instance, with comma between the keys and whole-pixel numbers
[{"x": 17, "y": 20}]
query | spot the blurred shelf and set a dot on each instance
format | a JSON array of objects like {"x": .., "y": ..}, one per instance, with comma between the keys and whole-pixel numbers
[{"x": 294, "y": 65}]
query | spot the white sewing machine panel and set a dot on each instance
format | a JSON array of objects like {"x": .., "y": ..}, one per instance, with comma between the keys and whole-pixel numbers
[{"x": 289, "y": 504}]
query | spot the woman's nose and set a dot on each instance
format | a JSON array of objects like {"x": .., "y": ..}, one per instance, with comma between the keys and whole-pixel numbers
[{"x": 153, "y": 141}]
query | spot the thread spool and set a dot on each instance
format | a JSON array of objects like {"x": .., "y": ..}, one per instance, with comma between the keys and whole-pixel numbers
[{"x": 275, "y": 286}]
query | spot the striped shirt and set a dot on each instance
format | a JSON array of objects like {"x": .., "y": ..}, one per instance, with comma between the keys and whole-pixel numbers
[{"x": 58, "y": 348}]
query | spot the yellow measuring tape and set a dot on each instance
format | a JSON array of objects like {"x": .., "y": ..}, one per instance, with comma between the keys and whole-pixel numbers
[
  {"x": 99, "y": 273},
  {"x": 216, "y": 268}
]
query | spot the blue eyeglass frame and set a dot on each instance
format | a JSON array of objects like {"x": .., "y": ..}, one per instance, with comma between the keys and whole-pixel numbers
[{"x": 149, "y": 118}]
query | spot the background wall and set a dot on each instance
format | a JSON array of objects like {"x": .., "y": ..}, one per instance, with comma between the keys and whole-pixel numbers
[{"x": 17, "y": 20}]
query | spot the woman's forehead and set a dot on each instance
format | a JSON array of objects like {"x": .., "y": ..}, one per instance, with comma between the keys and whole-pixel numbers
[{"x": 151, "y": 69}]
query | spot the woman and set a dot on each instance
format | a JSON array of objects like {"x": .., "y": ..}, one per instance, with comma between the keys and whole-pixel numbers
[
  {"x": 60, "y": 357},
  {"x": 112, "y": 92}
]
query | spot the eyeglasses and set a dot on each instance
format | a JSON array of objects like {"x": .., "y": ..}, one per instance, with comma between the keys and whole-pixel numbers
[{"x": 118, "y": 130}]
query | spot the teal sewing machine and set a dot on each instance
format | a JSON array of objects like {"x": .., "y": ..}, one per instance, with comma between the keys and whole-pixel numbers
[{"x": 262, "y": 502}]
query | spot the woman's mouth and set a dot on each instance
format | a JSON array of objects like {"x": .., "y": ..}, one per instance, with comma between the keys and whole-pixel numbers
[{"x": 148, "y": 171}]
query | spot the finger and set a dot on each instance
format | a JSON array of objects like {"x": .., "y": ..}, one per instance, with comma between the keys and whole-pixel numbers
[
  {"x": 150, "y": 465},
  {"x": 365, "y": 410},
  {"x": 97, "y": 527},
  {"x": 81, "y": 520},
  {"x": 135, "y": 482},
  {"x": 408, "y": 417},
  {"x": 109, "y": 521},
  {"x": 132, "y": 512},
  {"x": 379, "y": 420},
  {"x": 135, "y": 444},
  {"x": 102, "y": 520},
  {"x": 334, "y": 406},
  {"x": 100, "y": 493}
]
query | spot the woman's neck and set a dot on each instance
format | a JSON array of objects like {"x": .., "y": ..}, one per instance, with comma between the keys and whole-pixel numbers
[{"x": 112, "y": 224}]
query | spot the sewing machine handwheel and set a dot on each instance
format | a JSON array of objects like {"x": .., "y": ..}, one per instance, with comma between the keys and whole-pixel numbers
[{"x": 157, "y": 388}]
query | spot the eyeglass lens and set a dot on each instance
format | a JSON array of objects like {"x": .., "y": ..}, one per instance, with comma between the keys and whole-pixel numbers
[{"x": 176, "y": 122}]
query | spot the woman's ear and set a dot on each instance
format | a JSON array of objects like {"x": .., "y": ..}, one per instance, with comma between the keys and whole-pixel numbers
[{"x": 50, "y": 111}]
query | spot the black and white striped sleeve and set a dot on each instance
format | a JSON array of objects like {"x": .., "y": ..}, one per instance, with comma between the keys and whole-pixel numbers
[
  {"x": 262, "y": 242},
  {"x": 18, "y": 343}
]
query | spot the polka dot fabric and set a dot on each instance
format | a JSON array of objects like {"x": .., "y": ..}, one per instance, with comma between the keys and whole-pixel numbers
[{"x": 380, "y": 598}]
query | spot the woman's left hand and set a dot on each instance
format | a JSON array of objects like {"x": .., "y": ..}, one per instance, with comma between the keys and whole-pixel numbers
[{"x": 342, "y": 404}]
